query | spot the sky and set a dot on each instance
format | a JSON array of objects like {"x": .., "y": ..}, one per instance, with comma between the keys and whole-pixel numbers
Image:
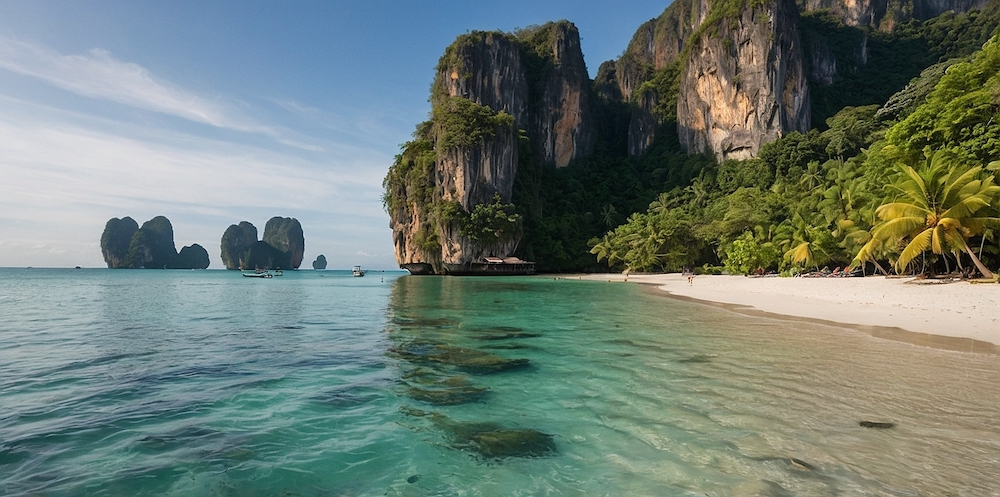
[{"x": 216, "y": 112}]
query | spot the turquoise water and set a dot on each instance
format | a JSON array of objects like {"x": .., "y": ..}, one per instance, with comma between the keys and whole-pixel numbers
[{"x": 318, "y": 383}]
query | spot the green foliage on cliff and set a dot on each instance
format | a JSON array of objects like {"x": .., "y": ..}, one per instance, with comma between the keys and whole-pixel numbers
[
  {"x": 563, "y": 209},
  {"x": 490, "y": 225},
  {"x": 873, "y": 65},
  {"x": 812, "y": 200},
  {"x": 460, "y": 122}
]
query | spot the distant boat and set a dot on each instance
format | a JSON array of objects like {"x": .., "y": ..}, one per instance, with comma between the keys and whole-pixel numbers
[
  {"x": 260, "y": 273},
  {"x": 358, "y": 272},
  {"x": 279, "y": 273}
]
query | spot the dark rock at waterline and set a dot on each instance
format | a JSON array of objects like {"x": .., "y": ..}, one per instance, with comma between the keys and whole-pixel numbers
[
  {"x": 878, "y": 425},
  {"x": 320, "y": 262}
]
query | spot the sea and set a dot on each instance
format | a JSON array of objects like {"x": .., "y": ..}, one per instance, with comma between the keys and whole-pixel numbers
[{"x": 317, "y": 383}]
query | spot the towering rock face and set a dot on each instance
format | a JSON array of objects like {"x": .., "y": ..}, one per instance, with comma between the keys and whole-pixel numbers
[
  {"x": 160, "y": 243},
  {"x": 562, "y": 126},
  {"x": 744, "y": 83},
  {"x": 285, "y": 235},
  {"x": 550, "y": 100},
  {"x": 115, "y": 240},
  {"x": 489, "y": 88},
  {"x": 236, "y": 243}
]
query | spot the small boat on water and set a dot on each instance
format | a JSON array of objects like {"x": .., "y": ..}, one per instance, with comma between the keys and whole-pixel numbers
[
  {"x": 358, "y": 271},
  {"x": 260, "y": 273}
]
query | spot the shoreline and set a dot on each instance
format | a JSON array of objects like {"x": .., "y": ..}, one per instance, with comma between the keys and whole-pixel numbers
[{"x": 957, "y": 316}]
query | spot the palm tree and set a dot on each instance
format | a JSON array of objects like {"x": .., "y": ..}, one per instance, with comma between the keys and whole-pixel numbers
[
  {"x": 938, "y": 208},
  {"x": 661, "y": 204},
  {"x": 609, "y": 215}
]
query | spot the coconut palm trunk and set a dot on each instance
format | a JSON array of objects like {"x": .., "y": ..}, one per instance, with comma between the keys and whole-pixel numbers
[{"x": 979, "y": 264}]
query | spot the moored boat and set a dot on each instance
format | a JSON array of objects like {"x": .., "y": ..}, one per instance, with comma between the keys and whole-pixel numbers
[{"x": 358, "y": 271}]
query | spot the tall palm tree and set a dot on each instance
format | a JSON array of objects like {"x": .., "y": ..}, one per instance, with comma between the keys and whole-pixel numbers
[{"x": 938, "y": 208}]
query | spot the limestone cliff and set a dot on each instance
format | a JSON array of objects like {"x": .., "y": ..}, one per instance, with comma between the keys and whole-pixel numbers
[
  {"x": 495, "y": 96},
  {"x": 744, "y": 83},
  {"x": 116, "y": 239},
  {"x": 285, "y": 235}
]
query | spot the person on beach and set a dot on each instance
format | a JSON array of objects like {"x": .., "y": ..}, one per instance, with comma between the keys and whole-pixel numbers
[{"x": 690, "y": 279}]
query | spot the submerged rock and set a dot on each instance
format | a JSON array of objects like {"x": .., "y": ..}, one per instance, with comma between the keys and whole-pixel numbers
[
  {"x": 442, "y": 390},
  {"x": 696, "y": 359},
  {"x": 448, "y": 396},
  {"x": 503, "y": 333},
  {"x": 469, "y": 360},
  {"x": 425, "y": 322},
  {"x": 490, "y": 440},
  {"x": 877, "y": 425}
]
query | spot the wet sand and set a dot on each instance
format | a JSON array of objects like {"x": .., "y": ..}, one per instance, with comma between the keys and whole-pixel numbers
[{"x": 955, "y": 315}]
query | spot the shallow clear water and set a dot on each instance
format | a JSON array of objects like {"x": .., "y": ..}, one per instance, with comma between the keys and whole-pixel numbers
[{"x": 317, "y": 383}]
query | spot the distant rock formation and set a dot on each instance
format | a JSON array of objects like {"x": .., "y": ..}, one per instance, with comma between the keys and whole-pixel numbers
[
  {"x": 193, "y": 257},
  {"x": 236, "y": 243},
  {"x": 320, "y": 262},
  {"x": 116, "y": 239},
  {"x": 125, "y": 245},
  {"x": 282, "y": 247},
  {"x": 285, "y": 235},
  {"x": 160, "y": 249}
]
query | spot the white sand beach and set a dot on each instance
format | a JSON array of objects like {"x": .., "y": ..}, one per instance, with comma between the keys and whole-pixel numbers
[{"x": 917, "y": 311}]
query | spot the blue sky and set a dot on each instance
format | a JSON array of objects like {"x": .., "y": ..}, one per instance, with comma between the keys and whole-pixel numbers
[{"x": 211, "y": 113}]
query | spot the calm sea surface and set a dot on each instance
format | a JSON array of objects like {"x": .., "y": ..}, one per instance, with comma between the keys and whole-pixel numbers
[{"x": 317, "y": 383}]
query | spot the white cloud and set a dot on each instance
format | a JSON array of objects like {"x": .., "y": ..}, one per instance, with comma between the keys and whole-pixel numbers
[{"x": 97, "y": 74}]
